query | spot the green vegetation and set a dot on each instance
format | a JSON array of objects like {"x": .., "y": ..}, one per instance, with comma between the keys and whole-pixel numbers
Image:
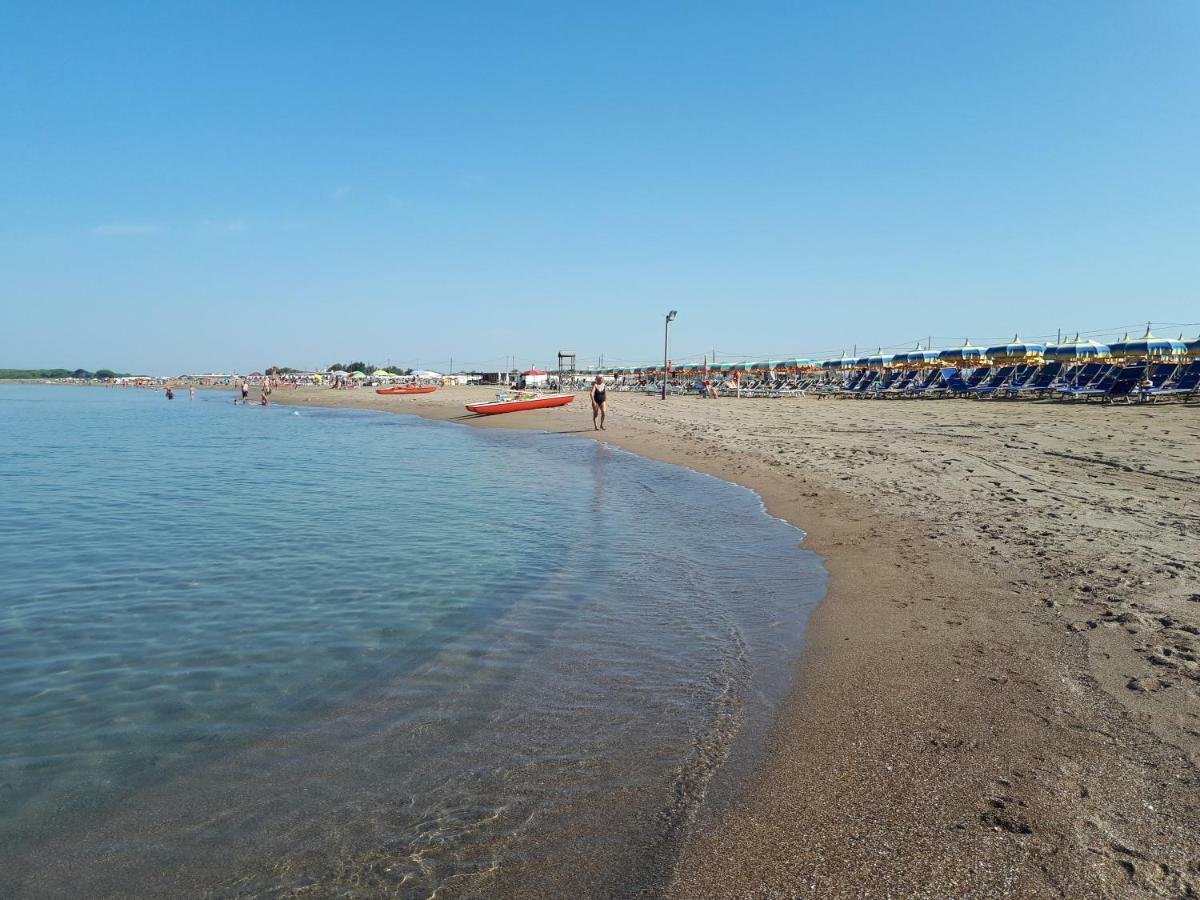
[
  {"x": 14, "y": 374},
  {"x": 367, "y": 368},
  {"x": 281, "y": 370}
]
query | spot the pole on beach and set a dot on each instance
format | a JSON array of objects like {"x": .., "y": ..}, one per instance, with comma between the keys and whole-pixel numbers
[{"x": 666, "y": 337}]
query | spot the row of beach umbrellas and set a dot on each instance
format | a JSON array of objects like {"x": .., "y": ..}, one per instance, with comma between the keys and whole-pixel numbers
[{"x": 1015, "y": 351}]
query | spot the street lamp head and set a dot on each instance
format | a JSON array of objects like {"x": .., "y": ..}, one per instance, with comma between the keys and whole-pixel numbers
[{"x": 671, "y": 315}]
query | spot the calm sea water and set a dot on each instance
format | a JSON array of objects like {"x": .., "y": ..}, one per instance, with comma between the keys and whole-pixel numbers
[{"x": 277, "y": 652}]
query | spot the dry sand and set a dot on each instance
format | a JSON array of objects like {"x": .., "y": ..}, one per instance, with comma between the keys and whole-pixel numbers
[{"x": 1000, "y": 695}]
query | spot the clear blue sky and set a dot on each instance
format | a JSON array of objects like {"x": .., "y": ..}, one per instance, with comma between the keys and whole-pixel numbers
[{"x": 225, "y": 186}]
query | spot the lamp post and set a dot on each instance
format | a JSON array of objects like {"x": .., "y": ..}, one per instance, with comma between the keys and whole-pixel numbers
[{"x": 666, "y": 337}]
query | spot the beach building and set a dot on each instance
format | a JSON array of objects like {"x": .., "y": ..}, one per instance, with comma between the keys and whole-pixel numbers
[{"x": 533, "y": 378}]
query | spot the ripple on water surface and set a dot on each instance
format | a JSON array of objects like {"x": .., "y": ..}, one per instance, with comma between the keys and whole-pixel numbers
[{"x": 248, "y": 652}]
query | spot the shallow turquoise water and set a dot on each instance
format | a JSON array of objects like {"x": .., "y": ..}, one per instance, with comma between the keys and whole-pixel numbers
[{"x": 247, "y": 651}]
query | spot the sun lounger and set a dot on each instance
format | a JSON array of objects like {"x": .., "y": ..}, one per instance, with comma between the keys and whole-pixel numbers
[
  {"x": 1186, "y": 383},
  {"x": 898, "y": 385},
  {"x": 993, "y": 384},
  {"x": 1114, "y": 386},
  {"x": 1043, "y": 379},
  {"x": 938, "y": 384}
]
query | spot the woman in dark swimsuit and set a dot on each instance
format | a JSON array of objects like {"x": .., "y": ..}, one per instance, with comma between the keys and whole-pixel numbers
[{"x": 599, "y": 402}]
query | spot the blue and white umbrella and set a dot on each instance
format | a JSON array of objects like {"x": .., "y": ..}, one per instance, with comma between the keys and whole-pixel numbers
[
  {"x": 1077, "y": 349},
  {"x": 1150, "y": 347},
  {"x": 1016, "y": 350},
  {"x": 841, "y": 362},
  {"x": 1117, "y": 348},
  {"x": 1193, "y": 346},
  {"x": 917, "y": 357},
  {"x": 879, "y": 360},
  {"x": 966, "y": 355}
]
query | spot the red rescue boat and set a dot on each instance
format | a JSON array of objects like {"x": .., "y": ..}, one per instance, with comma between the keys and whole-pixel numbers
[
  {"x": 519, "y": 402},
  {"x": 406, "y": 389}
]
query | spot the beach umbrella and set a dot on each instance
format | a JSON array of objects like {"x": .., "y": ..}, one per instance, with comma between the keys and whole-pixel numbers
[
  {"x": 379, "y": 373},
  {"x": 795, "y": 363},
  {"x": 1016, "y": 350},
  {"x": 1150, "y": 347},
  {"x": 966, "y": 355},
  {"x": 763, "y": 366},
  {"x": 358, "y": 375},
  {"x": 1117, "y": 348},
  {"x": 879, "y": 360},
  {"x": 740, "y": 367},
  {"x": 841, "y": 362},
  {"x": 1193, "y": 347},
  {"x": 917, "y": 357},
  {"x": 1073, "y": 351}
]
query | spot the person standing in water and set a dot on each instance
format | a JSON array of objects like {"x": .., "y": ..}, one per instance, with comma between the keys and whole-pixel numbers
[
  {"x": 599, "y": 402},
  {"x": 245, "y": 390}
]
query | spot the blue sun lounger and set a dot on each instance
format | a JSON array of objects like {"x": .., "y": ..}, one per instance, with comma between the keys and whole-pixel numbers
[
  {"x": 1185, "y": 384},
  {"x": 1114, "y": 386},
  {"x": 1043, "y": 380},
  {"x": 993, "y": 384}
]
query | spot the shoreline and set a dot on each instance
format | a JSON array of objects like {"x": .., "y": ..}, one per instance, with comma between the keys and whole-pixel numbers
[{"x": 971, "y": 715}]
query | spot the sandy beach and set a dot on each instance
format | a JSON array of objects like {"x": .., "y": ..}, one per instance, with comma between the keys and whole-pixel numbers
[{"x": 1000, "y": 695}]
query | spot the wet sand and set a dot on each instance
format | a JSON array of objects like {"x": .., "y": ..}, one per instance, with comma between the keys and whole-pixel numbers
[{"x": 1000, "y": 695}]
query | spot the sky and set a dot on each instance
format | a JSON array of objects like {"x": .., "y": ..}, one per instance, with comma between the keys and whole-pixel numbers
[{"x": 222, "y": 187}]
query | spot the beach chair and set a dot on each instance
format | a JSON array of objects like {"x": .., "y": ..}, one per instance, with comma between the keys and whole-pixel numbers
[
  {"x": 1086, "y": 388},
  {"x": 1185, "y": 384},
  {"x": 993, "y": 384},
  {"x": 921, "y": 383},
  {"x": 956, "y": 384},
  {"x": 937, "y": 385},
  {"x": 871, "y": 378},
  {"x": 1164, "y": 373},
  {"x": 1088, "y": 374},
  {"x": 978, "y": 376},
  {"x": 1019, "y": 376},
  {"x": 1113, "y": 386},
  {"x": 857, "y": 384},
  {"x": 898, "y": 385},
  {"x": 1042, "y": 381}
]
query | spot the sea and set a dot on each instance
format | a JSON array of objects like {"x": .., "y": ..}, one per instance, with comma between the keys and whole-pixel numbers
[{"x": 282, "y": 652}]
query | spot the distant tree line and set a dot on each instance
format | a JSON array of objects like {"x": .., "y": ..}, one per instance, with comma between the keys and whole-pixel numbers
[
  {"x": 367, "y": 368},
  {"x": 11, "y": 374}
]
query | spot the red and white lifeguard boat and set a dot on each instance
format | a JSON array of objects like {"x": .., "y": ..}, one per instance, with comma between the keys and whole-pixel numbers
[{"x": 506, "y": 403}]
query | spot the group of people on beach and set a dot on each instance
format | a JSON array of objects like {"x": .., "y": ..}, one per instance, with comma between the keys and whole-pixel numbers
[{"x": 264, "y": 394}]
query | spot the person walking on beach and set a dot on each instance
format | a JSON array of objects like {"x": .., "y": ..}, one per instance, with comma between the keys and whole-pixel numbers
[{"x": 599, "y": 402}]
